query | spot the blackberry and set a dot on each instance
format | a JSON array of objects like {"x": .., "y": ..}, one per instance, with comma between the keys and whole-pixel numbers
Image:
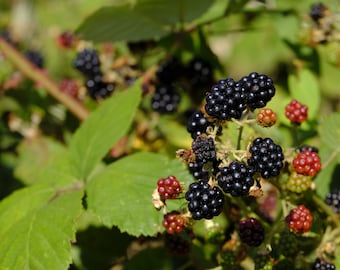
[
  {"x": 266, "y": 157},
  {"x": 166, "y": 99},
  {"x": 299, "y": 219},
  {"x": 236, "y": 179},
  {"x": 320, "y": 264},
  {"x": 266, "y": 118},
  {"x": 285, "y": 244},
  {"x": 307, "y": 163},
  {"x": 35, "y": 57},
  {"x": 296, "y": 112},
  {"x": 298, "y": 183},
  {"x": 251, "y": 232},
  {"x": 226, "y": 100},
  {"x": 169, "y": 71},
  {"x": 177, "y": 245},
  {"x": 303, "y": 148},
  {"x": 169, "y": 187},
  {"x": 204, "y": 201},
  {"x": 69, "y": 87},
  {"x": 98, "y": 89},
  {"x": 174, "y": 222},
  {"x": 317, "y": 11},
  {"x": 333, "y": 200},
  {"x": 197, "y": 124},
  {"x": 199, "y": 73},
  {"x": 259, "y": 88},
  {"x": 201, "y": 172},
  {"x": 204, "y": 149},
  {"x": 67, "y": 39},
  {"x": 88, "y": 63},
  {"x": 263, "y": 262}
]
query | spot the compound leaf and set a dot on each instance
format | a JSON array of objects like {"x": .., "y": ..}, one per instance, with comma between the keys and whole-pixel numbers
[
  {"x": 121, "y": 195},
  {"x": 103, "y": 128}
]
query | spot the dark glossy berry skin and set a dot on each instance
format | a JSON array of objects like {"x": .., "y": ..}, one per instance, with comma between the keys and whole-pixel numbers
[
  {"x": 88, "y": 63},
  {"x": 199, "y": 72},
  {"x": 174, "y": 222},
  {"x": 320, "y": 264},
  {"x": 236, "y": 179},
  {"x": 303, "y": 148},
  {"x": 201, "y": 172},
  {"x": 35, "y": 57},
  {"x": 226, "y": 100},
  {"x": 251, "y": 232},
  {"x": 317, "y": 11},
  {"x": 169, "y": 187},
  {"x": 259, "y": 89},
  {"x": 98, "y": 89},
  {"x": 333, "y": 200},
  {"x": 169, "y": 71},
  {"x": 166, "y": 99},
  {"x": 197, "y": 124},
  {"x": 299, "y": 219},
  {"x": 204, "y": 149},
  {"x": 266, "y": 157},
  {"x": 296, "y": 112},
  {"x": 307, "y": 163},
  {"x": 204, "y": 201}
]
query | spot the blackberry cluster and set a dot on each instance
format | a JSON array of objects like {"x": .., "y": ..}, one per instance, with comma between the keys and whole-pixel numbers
[
  {"x": 204, "y": 201},
  {"x": 333, "y": 200},
  {"x": 296, "y": 112},
  {"x": 35, "y": 57},
  {"x": 169, "y": 71},
  {"x": 307, "y": 163},
  {"x": 97, "y": 88},
  {"x": 88, "y": 63},
  {"x": 236, "y": 179},
  {"x": 166, "y": 99},
  {"x": 266, "y": 118},
  {"x": 298, "y": 183},
  {"x": 321, "y": 264},
  {"x": 199, "y": 72},
  {"x": 226, "y": 100},
  {"x": 251, "y": 232},
  {"x": 201, "y": 172},
  {"x": 259, "y": 88},
  {"x": 204, "y": 149},
  {"x": 317, "y": 11},
  {"x": 266, "y": 157}
]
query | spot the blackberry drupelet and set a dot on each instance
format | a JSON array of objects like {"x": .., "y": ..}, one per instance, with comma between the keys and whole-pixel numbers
[
  {"x": 35, "y": 57},
  {"x": 320, "y": 264},
  {"x": 98, "y": 89},
  {"x": 251, "y": 232},
  {"x": 266, "y": 157},
  {"x": 259, "y": 88},
  {"x": 317, "y": 11},
  {"x": 226, "y": 100},
  {"x": 169, "y": 71},
  {"x": 236, "y": 179},
  {"x": 166, "y": 99},
  {"x": 204, "y": 149},
  {"x": 204, "y": 201},
  {"x": 88, "y": 63},
  {"x": 303, "y": 148},
  {"x": 333, "y": 200},
  {"x": 199, "y": 73},
  {"x": 197, "y": 124}
]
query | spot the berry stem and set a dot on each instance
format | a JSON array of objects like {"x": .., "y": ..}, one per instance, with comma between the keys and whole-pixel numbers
[
  {"x": 326, "y": 209},
  {"x": 36, "y": 75},
  {"x": 239, "y": 138}
]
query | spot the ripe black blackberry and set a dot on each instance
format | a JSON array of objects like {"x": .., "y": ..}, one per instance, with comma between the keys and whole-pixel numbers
[
  {"x": 98, "y": 89},
  {"x": 317, "y": 11},
  {"x": 251, "y": 232},
  {"x": 169, "y": 71},
  {"x": 204, "y": 201},
  {"x": 266, "y": 157},
  {"x": 166, "y": 99},
  {"x": 259, "y": 89},
  {"x": 201, "y": 172},
  {"x": 197, "y": 124},
  {"x": 309, "y": 148},
  {"x": 320, "y": 264},
  {"x": 199, "y": 73},
  {"x": 35, "y": 57},
  {"x": 226, "y": 100},
  {"x": 236, "y": 179},
  {"x": 88, "y": 63},
  {"x": 333, "y": 200},
  {"x": 204, "y": 149}
]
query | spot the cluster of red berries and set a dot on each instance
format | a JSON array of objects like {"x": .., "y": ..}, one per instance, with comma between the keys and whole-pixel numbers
[
  {"x": 307, "y": 163},
  {"x": 169, "y": 187},
  {"x": 299, "y": 219},
  {"x": 296, "y": 112},
  {"x": 174, "y": 222}
]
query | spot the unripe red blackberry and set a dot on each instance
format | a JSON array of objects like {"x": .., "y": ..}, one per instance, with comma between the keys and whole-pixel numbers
[
  {"x": 296, "y": 112},
  {"x": 266, "y": 117},
  {"x": 204, "y": 149},
  {"x": 69, "y": 87},
  {"x": 259, "y": 89},
  {"x": 307, "y": 163},
  {"x": 333, "y": 200},
  {"x": 169, "y": 187},
  {"x": 166, "y": 99},
  {"x": 299, "y": 219},
  {"x": 320, "y": 264},
  {"x": 204, "y": 201},
  {"x": 66, "y": 39},
  {"x": 266, "y": 157},
  {"x": 236, "y": 179},
  {"x": 298, "y": 183},
  {"x": 174, "y": 222},
  {"x": 251, "y": 232}
]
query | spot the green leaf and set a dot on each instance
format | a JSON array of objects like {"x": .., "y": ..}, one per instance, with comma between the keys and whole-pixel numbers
[
  {"x": 304, "y": 88},
  {"x": 38, "y": 229},
  {"x": 122, "y": 194},
  {"x": 147, "y": 19},
  {"x": 103, "y": 128},
  {"x": 329, "y": 130}
]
